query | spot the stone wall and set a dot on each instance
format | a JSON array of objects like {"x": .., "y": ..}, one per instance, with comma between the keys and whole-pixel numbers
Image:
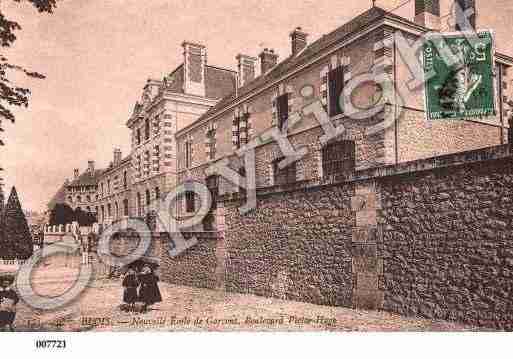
[
  {"x": 294, "y": 246},
  {"x": 447, "y": 243}
]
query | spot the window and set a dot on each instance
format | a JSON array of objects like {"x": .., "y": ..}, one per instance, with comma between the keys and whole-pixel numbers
[
  {"x": 125, "y": 207},
  {"x": 240, "y": 130},
  {"x": 125, "y": 182},
  {"x": 109, "y": 210},
  {"x": 116, "y": 209},
  {"x": 188, "y": 154},
  {"x": 212, "y": 183},
  {"x": 284, "y": 175},
  {"x": 88, "y": 198},
  {"x": 108, "y": 186},
  {"x": 138, "y": 136},
  {"x": 336, "y": 86},
  {"x": 148, "y": 197},
  {"x": 103, "y": 213},
  {"x": 283, "y": 111},
  {"x": 147, "y": 129},
  {"x": 213, "y": 186},
  {"x": 189, "y": 202},
  {"x": 139, "y": 209},
  {"x": 461, "y": 18},
  {"x": 79, "y": 199},
  {"x": 70, "y": 199},
  {"x": 211, "y": 144},
  {"x": 338, "y": 158},
  {"x": 157, "y": 193},
  {"x": 102, "y": 188},
  {"x": 156, "y": 160}
]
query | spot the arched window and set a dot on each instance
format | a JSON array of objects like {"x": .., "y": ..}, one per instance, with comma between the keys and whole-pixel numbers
[
  {"x": 116, "y": 208},
  {"x": 125, "y": 182},
  {"x": 157, "y": 193},
  {"x": 103, "y": 213},
  {"x": 109, "y": 210}
]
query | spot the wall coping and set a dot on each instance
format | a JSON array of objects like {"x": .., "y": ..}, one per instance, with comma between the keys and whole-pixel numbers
[{"x": 417, "y": 166}]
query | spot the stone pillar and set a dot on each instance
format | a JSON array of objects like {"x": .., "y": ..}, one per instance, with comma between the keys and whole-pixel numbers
[
  {"x": 367, "y": 264},
  {"x": 220, "y": 247}
]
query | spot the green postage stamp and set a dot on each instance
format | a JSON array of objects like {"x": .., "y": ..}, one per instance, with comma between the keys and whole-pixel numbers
[{"x": 459, "y": 76}]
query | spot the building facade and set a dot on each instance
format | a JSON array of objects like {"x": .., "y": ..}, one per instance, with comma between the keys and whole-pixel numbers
[
  {"x": 327, "y": 66},
  {"x": 199, "y": 115},
  {"x": 113, "y": 198},
  {"x": 82, "y": 191}
]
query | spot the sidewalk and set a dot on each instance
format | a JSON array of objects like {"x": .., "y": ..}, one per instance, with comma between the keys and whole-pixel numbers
[{"x": 195, "y": 309}]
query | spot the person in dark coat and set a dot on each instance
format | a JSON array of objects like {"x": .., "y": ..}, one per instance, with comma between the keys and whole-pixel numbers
[
  {"x": 8, "y": 301},
  {"x": 130, "y": 283},
  {"x": 149, "y": 292}
]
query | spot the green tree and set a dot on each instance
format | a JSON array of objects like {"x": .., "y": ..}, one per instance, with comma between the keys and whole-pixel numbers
[
  {"x": 10, "y": 94},
  {"x": 16, "y": 239}
]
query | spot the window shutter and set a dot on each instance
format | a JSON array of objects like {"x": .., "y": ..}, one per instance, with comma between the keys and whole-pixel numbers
[
  {"x": 283, "y": 110},
  {"x": 324, "y": 85},
  {"x": 336, "y": 87}
]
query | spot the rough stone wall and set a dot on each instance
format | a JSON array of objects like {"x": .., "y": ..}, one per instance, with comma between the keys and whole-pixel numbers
[
  {"x": 195, "y": 267},
  {"x": 295, "y": 246},
  {"x": 447, "y": 243}
]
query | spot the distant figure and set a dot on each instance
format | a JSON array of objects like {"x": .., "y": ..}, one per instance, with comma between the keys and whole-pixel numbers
[
  {"x": 149, "y": 292},
  {"x": 8, "y": 301},
  {"x": 130, "y": 283}
]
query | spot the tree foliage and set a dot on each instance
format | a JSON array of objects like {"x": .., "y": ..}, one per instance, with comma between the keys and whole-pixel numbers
[
  {"x": 10, "y": 93},
  {"x": 61, "y": 213},
  {"x": 17, "y": 238}
]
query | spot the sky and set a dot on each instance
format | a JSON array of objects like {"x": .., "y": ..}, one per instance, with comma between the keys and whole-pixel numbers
[{"x": 97, "y": 55}]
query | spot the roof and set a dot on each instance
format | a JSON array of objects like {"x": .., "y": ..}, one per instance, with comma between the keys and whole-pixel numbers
[
  {"x": 219, "y": 82},
  {"x": 59, "y": 197},
  {"x": 361, "y": 21},
  {"x": 113, "y": 167},
  {"x": 86, "y": 179}
]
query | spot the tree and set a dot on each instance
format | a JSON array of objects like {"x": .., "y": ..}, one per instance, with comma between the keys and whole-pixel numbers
[
  {"x": 61, "y": 213},
  {"x": 17, "y": 239},
  {"x": 10, "y": 94}
]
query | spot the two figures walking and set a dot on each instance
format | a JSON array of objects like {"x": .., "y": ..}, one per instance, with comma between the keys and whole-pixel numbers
[{"x": 141, "y": 287}]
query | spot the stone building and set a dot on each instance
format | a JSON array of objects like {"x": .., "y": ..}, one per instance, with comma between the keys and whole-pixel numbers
[
  {"x": 82, "y": 190},
  {"x": 326, "y": 66},
  {"x": 113, "y": 197},
  {"x": 165, "y": 107}
]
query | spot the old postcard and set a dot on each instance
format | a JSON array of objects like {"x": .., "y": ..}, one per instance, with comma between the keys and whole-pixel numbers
[{"x": 257, "y": 166}]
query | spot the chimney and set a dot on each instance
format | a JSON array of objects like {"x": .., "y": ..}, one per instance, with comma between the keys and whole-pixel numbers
[
  {"x": 465, "y": 13},
  {"x": 90, "y": 167},
  {"x": 246, "y": 69},
  {"x": 194, "y": 67},
  {"x": 268, "y": 59},
  {"x": 75, "y": 173},
  {"x": 427, "y": 13},
  {"x": 298, "y": 40},
  {"x": 117, "y": 156}
]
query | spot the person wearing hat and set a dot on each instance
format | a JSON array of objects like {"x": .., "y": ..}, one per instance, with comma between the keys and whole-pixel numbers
[
  {"x": 130, "y": 284},
  {"x": 149, "y": 292},
  {"x": 8, "y": 301}
]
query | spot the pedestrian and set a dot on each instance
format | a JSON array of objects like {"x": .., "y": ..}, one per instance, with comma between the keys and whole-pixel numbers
[
  {"x": 130, "y": 283},
  {"x": 8, "y": 301},
  {"x": 149, "y": 292}
]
